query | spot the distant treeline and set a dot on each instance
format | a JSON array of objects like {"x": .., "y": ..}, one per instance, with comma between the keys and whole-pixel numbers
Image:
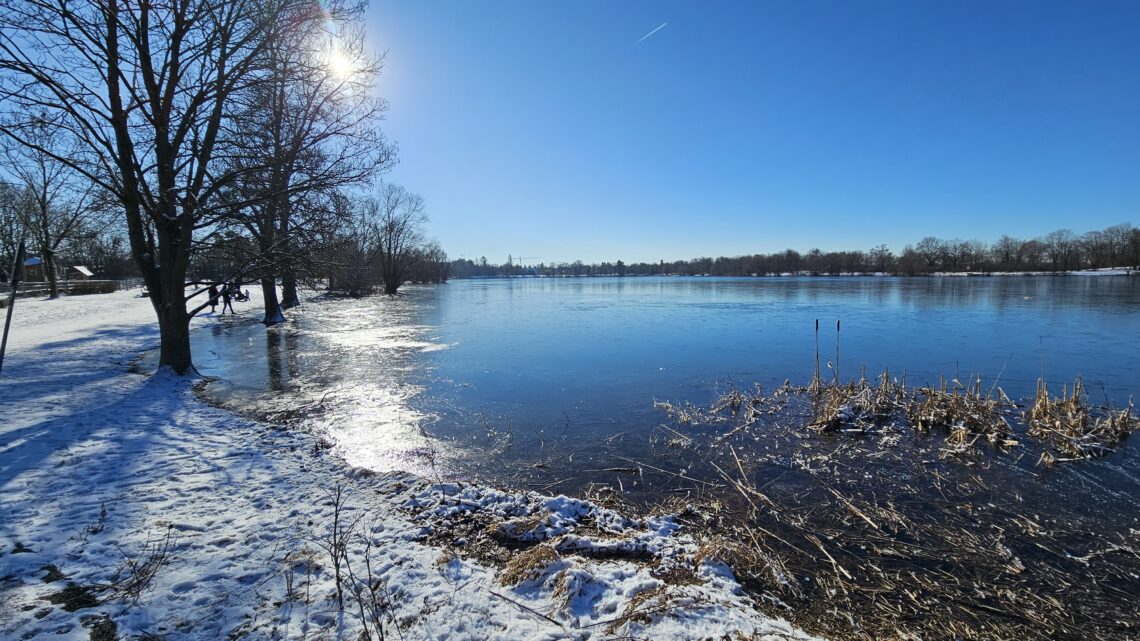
[{"x": 1062, "y": 250}]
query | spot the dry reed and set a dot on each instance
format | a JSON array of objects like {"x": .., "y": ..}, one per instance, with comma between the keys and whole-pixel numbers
[
  {"x": 1068, "y": 423},
  {"x": 888, "y": 520}
]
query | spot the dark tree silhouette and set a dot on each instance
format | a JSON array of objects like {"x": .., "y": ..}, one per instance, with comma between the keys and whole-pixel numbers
[{"x": 143, "y": 88}]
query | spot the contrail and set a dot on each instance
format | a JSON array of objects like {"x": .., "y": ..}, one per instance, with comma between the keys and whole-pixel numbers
[{"x": 651, "y": 33}]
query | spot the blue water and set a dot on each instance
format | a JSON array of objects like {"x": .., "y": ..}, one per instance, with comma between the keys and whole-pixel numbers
[
  {"x": 539, "y": 351},
  {"x": 473, "y": 361}
]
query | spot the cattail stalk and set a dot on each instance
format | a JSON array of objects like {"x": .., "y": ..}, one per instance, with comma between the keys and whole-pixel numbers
[
  {"x": 837, "y": 352},
  {"x": 815, "y": 379}
]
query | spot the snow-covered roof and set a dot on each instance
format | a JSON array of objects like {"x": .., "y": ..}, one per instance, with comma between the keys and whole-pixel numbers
[
  {"x": 34, "y": 260},
  {"x": 83, "y": 270}
]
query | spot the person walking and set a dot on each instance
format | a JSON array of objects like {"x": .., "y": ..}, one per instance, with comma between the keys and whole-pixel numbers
[
  {"x": 226, "y": 300},
  {"x": 213, "y": 294}
]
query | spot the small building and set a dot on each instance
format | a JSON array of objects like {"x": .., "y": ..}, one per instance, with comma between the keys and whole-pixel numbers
[
  {"x": 34, "y": 270},
  {"x": 79, "y": 272}
]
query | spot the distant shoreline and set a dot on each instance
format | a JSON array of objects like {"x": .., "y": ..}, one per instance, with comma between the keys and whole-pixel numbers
[{"x": 1115, "y": 271}]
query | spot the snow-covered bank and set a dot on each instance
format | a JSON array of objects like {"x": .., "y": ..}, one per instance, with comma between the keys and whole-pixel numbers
[
  {"x": 1104, "y": 271},
  {"x": 173, "y": 519}
]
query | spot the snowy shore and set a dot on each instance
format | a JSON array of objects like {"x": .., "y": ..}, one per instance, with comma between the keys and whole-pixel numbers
[{"x": 130, "y": 509}]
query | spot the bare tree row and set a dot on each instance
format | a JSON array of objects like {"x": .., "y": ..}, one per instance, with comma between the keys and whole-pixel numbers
[
  {"x": 386, "y": 246},
  {"x": 1059, "y": 251},
  {"x": 42, "y": 205},
  {"x": 225, "y": 141}
]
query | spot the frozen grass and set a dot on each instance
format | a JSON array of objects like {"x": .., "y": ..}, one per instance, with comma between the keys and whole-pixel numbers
[
  {"x": 1075, "y": 429},
  {"x": 875, "y": 510}
]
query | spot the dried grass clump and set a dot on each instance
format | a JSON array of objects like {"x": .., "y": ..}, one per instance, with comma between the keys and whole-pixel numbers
[
  {"x": 857, "y": 406},
  {"x": 529, "y": 565},
  {"x": 641, "y": 608},
  {"x": 519, "y": 530},
  {"x": 1070, "y": 425},
  {"x": 692, "y": 511},
  {"x": 966, "y": 413},
  {"x": 751, "y": 565},
  {"x": 687, "y": 414},
  {"x": 744, "y": 408},
  {"x": 732, "y": 400}
]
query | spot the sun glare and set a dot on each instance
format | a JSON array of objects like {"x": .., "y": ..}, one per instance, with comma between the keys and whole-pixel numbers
[{"x": 340, "y": 65}]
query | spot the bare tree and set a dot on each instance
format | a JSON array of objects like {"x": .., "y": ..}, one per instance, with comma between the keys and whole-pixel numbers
[
  {"x": 1031, "y": 255},
  {"x": 309, "y": 129},
  {"x": 143, "y": 87},
  {"x": 882, "y": 260},
  {"x": 1061, "y": 247},
  {"x": 1096, "y": 246},
  {"x": 1117, "y": 238},
  {"x": 432, "y": 265},
  {"x": 12, "y": 203},
  {"x": 58, "y": 206},
  {"x": 393, "y": 226},
  {"x": 1006, "y": 253},
  {"x": 932, "y": 252},
  {"x": 1132, "y": 249},
  {"x": 352, "y": 273},
  {"x": 400, "y": 234}
]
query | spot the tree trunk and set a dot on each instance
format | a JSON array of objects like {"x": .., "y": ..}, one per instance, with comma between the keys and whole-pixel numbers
[
  {"x": 165, "y": 278},
  {"x": 49, "y": 270},
  {"x": 273, "y": 313},
  {"x": 174, "y": 333},
  {"x": 167, "y": 296},
  {"x": 289, "y": 297}
]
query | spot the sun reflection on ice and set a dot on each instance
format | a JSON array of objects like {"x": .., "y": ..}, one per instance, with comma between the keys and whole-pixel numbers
[
  {"x": 348, "y": 370},
  {"x": 371, "y": 419},
  {"x": 375, "y": 427}
]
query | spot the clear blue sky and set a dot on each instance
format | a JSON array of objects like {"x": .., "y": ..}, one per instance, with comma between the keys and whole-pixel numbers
[{"x": 541, "y": 129}]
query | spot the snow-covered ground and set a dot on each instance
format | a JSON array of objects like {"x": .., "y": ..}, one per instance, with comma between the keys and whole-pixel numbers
[
  {"x": 1104, "y": 271},
  {"x": 162, "y": 517}
]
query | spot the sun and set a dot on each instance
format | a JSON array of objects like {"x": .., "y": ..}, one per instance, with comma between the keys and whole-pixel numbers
[{"x": 339, "y": 65}]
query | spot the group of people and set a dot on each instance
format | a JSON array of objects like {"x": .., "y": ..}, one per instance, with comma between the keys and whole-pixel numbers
[{"x": 229, "y": 293}]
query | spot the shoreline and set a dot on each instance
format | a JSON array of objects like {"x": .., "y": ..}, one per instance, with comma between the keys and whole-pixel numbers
[
  {"x": 171, "y": 517},
  {"x": 1108, "y": 271}
]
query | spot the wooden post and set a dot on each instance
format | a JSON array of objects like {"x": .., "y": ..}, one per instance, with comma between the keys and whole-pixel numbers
[{"x": 17, "y": 265}]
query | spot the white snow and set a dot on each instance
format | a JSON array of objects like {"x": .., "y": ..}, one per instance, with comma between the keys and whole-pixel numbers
[
  {"x": 184, "y": 521},
  {"x": 1104, "y": 271}
]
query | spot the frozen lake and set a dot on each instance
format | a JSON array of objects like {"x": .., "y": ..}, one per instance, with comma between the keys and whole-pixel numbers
[{"x": 534, "y": 362}]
